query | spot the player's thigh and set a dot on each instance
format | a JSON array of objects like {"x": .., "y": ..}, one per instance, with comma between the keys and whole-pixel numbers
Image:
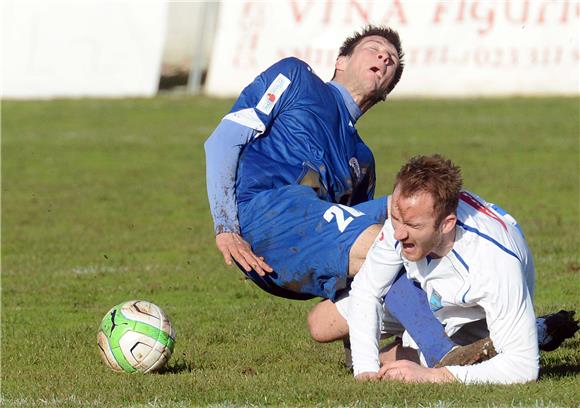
[
  {"x": 377, "y": 210},
  {"x": 360, "y": 248}
]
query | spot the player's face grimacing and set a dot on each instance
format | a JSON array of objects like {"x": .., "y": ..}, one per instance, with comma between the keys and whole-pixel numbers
[
  {"x": 414, "y": 222},
  {"x": 371, "y": 66}
]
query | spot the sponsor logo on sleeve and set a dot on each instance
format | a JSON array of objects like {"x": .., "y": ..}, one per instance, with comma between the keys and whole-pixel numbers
[
  {"x": 435, "y": 301},
  {"x": 272, "y": 94}
]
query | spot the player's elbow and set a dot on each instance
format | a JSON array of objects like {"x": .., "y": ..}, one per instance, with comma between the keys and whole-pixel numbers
[
  {"x": 526, "y": 373},
  {"x": 535, "y": 374},
  {"x": 532, "y": 373},
  {"x": 530, "y": 367},
  {"x": 525, "y": 376}
]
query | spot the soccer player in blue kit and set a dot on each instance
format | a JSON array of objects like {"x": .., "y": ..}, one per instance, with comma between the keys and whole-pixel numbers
[{"x": 291, "y": 183}]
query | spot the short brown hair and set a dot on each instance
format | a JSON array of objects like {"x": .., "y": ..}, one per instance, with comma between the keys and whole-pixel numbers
[
  {"x": 388, "y": 34},
  {"x": 436, "y": 176}
]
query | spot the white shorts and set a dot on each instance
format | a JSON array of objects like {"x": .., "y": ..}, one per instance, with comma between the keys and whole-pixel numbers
[{"x": 390, "y": 326}]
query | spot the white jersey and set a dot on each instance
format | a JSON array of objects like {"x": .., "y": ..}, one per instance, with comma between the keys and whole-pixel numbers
[{"x": 488, "y": 274}]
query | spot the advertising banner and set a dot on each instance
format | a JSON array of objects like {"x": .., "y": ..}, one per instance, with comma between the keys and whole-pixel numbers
[{"x": 453, "y": 48}]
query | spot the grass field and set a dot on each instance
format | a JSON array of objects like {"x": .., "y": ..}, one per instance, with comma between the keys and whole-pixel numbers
[{"x": 104, "y": 201}]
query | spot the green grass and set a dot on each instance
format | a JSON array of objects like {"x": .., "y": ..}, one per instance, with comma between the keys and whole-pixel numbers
[{"x": 104, "y": 201}]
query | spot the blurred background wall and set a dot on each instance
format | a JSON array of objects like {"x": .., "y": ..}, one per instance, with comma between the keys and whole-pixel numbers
[
  {"x": 89, "y": 48},
  {"x": 69, "y": 48}
]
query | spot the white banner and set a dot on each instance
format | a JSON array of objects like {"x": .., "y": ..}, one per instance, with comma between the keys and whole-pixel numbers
[
  {"x": 453, "y": 48},
  {"x": 78, "y": 48}
]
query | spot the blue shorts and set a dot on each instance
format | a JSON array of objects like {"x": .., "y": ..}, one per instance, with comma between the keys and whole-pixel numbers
[{"x": 306, "y": 240}]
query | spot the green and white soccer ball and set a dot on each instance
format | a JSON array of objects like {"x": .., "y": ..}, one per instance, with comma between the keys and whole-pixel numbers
[{"x": 136, "y": 336}]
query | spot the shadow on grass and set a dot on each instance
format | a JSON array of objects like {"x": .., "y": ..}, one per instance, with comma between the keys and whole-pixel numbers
[
  {"x": 179, "y": 365},
  {"x": 563, "y": 370}
]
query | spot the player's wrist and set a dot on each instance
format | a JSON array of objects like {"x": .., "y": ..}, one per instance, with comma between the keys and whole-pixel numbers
[
  {"x": 367, "y": 376},
  {"x": 226, "y": 229},
  {"x": 442, "y": 374}
]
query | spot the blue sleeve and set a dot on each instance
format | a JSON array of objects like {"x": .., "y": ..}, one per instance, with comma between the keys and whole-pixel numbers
[{"x": 222, "y": 150}]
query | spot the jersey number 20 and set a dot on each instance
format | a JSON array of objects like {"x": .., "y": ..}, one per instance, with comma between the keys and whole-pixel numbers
[{"x": 338, "y": 212}]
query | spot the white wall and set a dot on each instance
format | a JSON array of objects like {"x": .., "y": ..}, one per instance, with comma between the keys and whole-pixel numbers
[
  {"x": 104, "y": 48},
  {"x": 183, "y": 22},
  {"x": 79, "y": 48},
  {"x": 457, "y": 48}
]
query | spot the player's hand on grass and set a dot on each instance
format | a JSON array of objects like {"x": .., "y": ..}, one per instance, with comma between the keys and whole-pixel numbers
[
  {"x": 232, "y": 245},
  {"x": 367, "y": 376},
  {"x": 410, "y": 372}
]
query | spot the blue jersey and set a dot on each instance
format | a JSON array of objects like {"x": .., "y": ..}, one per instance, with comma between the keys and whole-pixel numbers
[
  {"x": 285, "y": 168},
  {"x": 288, "y": 127},
  {"x": 308, "y": 138}
]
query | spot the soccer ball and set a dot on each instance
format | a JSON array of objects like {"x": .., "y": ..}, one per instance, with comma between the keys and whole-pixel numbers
[{"x": 136, "y": 336}]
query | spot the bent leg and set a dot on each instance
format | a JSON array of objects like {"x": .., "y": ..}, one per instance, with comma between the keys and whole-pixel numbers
[
  {"x": 408, "y": 303},
  {"x": 360, "y": 248},
  {"x": 307, "y": 241},
  {"x": 325, "y": 323}
]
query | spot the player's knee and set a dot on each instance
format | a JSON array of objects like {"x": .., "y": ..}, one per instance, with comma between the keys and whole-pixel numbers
[
  {"x": 325, "y": 324},
  {"x": 315, "y": 326}
]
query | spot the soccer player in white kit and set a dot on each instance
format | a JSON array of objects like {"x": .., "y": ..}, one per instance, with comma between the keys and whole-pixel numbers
[{"x": 471, "y": 259}]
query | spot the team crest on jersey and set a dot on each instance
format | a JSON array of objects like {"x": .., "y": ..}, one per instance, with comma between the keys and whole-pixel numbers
[
  {"x": 272, "y": 94},
  {"x": 353, "y": 162},
  {"x": 435, "y": 301}
]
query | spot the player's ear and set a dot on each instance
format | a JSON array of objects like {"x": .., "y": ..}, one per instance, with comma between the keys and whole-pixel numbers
[
  {"x": 448, "y": 223},
  {"x": 341, "y": 63}
]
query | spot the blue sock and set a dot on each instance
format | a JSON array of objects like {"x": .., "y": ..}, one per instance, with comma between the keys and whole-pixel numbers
[{"x": 408, "y": 303}]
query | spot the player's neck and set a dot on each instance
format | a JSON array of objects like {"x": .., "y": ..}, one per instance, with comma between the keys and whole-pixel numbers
[
  {"x": 362, "y": 98},
  {"x": 445, "y": 245}
]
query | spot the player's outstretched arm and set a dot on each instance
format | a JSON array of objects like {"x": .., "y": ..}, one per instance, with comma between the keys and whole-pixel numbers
[
  {"x": 222, "y": 153},
  {"x": 233, "y": 246}
]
